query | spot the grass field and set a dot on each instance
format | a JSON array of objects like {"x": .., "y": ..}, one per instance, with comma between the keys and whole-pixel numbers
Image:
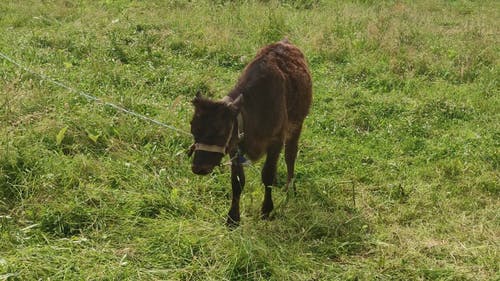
[{"x": 398, "y": 170}]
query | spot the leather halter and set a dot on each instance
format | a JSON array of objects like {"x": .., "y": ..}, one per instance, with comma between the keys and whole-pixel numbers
[
  {"x": 218, "y": 148},
  {"x": 212, "y": 147}
]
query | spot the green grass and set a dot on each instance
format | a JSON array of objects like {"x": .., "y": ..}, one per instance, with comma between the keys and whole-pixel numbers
[{"x": 398, "y": 170}]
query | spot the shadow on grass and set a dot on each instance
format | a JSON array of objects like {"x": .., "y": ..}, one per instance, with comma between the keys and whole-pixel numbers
[{"x": 325, "y": 227}]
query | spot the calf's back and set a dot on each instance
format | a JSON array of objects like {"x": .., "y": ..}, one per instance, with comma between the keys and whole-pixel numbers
[{"x": 277, "y": 92}]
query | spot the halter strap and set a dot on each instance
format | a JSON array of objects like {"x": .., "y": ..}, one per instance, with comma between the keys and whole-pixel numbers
[{"x": 239, "y": 118}]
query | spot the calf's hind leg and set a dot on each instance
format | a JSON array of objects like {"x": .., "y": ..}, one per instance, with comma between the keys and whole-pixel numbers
[
  {"x": 291, "y": 148},
  {"x": 269, "y": 177}
]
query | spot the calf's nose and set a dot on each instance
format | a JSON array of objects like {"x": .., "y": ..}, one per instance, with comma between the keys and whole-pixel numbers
[{"x": 201, "y": 169}]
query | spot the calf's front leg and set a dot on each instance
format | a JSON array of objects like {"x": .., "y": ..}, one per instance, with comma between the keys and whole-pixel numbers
[{"x": 237, "y": 184}]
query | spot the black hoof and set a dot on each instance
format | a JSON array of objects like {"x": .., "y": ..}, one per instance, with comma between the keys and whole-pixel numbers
[
  {"x": 265, "y": 212},
  {"x": 266, "y": 216},
  {"x": 233, "y": 222}
]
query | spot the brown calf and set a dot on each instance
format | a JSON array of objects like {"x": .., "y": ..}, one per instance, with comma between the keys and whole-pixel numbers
[{"x": 263, "y": 112}]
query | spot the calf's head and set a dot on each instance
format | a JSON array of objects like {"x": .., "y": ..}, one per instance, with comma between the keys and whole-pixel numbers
[{"x": 212, "y": 129}]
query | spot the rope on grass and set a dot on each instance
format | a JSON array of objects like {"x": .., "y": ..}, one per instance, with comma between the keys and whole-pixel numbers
[{"x": 91, "y": 97}]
